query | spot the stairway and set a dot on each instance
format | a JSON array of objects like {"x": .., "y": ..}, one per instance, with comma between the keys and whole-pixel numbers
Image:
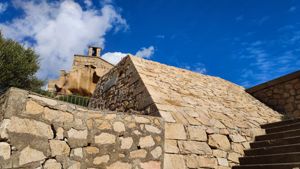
[{"x": 279, "y": 148}]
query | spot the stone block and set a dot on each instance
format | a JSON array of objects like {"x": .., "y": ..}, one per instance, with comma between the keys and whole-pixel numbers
[
  {"x": 171, "y": 146},
  {"x": 101, "y": 159},
  {"x": 105, "y": 138},
  {"x": 197, "y": 133},
  {"x": 150, "y": 165},
  {"x": 174, "y": 161},
  {"x": 118, "y": 127},
  {"x": 91, "y": 150},
  {"x": 138, "y": 154},
  {"x": 33, "y": 108},
  {"x": 77, "y": 152},
  {"x": 194, "y": 147},
  {"x": 120, "y": 165},
  {"x": 152, "y": 129},
  {"x": 219, "y": 141},
  {"x": 28, "y": 126},
  {"x": 146, "y": 141},
  {"x": 206, "y": 162},
  {"x": 28, "y": 155},
  {"x": 77, "y": 134},
  {"x": 52, "y": 164},
  {"x": 4, "y": 150},
  {"x": 57, "y": 116},
  {"x": 175, "y": 131},
  {"x": 237, "y": 138},
  {"x": 126, "y": 143},
  {"x": 223, "y": 162},
  {"x": 59, "y": 147},
  {"x": 156, "y": 153},
  {"x": 139, "y": 119}
]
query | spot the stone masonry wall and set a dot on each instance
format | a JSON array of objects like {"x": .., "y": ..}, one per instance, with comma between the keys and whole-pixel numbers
[
  {"x": 209, "y": 122},
  {"x": 122, "y": 89},
  {"x": 283, "y": 97},
  {"x": 37, "y": 132}
]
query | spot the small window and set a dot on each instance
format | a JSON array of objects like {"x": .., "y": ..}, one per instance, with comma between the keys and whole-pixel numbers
[{"x": 94, "y": 51}]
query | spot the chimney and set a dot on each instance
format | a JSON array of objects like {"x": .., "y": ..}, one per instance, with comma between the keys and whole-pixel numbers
[{"x": 94, "y": 51}]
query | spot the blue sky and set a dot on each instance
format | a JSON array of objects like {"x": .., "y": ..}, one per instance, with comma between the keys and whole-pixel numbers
[{"x": 246, "y": 42}]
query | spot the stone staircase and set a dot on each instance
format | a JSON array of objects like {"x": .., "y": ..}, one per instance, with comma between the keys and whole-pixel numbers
[{"x": 279, "y": 148}]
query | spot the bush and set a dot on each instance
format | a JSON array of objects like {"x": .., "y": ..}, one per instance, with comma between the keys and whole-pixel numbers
[{"x": 18, "y": 66}]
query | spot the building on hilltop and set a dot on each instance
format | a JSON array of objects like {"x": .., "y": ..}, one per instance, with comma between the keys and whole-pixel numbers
[{"x": 84, "y": 75}]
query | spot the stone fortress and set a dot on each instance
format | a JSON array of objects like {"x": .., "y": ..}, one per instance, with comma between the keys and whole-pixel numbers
[
  {"x": 84, "y": 75},
  {"x": 142, "y": 115}
]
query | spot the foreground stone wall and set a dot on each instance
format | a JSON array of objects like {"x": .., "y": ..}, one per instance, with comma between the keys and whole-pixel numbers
[
  {"x": 122, "y": 89},
  {"x": 39, "y": 132},
  {"x": 282, "y": 94}
]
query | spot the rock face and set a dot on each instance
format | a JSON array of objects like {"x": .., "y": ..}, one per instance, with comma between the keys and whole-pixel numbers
[
  {"x": 44, "y": 133},
  {"x": 206, "y": 117},
  {"x": 83, "y": 76}
]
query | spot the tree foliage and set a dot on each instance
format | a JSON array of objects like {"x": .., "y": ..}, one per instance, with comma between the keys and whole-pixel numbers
[{"x": 18, "y": 66}]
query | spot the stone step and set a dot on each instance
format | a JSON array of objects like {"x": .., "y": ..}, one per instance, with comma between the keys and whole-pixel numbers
[
  {"x": 272, "y": 158},
  {"x": 293, "y": 126},
  {"x": 275, "y": 142},
  {"x": 279, "y": 135},
  {"x": 269, "y": 166},
  {"x": 280, "y": 123},
  {"x": 273, "y": 150}
]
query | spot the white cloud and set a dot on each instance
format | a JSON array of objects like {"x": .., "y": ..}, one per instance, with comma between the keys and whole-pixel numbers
[
  {"x": 292, "y": 9},
  {"x": 268, "y": 59},
  {"x": 145, "y": 52},
  {"x": 116, "y": 57},
  {"x": 160, "y": 36},
  {"x": 197, "y": 67},
  {"x": 59, "y": 29},
  {"x": 88, "y": 3},
  {"x": 3, "y": 7}
]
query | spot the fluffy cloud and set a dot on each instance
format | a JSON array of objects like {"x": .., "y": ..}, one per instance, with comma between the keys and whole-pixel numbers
[
  {"x": 115, "y": 57},
  {"x": 145, "y": 52},
  {"x": 57, "y": 30},
  {"x": 197, "y": 67},
  {"x": 3, "y": 7},
  {"x": 88, "y": 3},
  {"x": 268, "y": 59}
]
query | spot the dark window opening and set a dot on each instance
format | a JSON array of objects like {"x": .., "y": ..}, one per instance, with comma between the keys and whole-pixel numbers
[{"x": 94, "y": 51}]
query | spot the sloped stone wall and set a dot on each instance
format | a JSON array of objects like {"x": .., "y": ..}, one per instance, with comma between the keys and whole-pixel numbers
[
  {"x": 122, "y": 89},
  {"x": 38, "y": 132},
  {"x": 282, "y": 94},
  {"x": 209, "y": 122}
]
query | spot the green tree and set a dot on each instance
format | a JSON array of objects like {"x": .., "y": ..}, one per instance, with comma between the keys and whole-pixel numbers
[{"x": 18, "y": 66}]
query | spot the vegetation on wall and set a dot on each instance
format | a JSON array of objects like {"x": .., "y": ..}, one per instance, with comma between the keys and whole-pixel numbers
[{"x": 18, "y": 66}]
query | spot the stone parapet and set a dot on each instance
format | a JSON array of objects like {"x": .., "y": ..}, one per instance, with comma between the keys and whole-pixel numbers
[
  {"x": 281, "y": 94},
  {"x": 40, "y": 132}
]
